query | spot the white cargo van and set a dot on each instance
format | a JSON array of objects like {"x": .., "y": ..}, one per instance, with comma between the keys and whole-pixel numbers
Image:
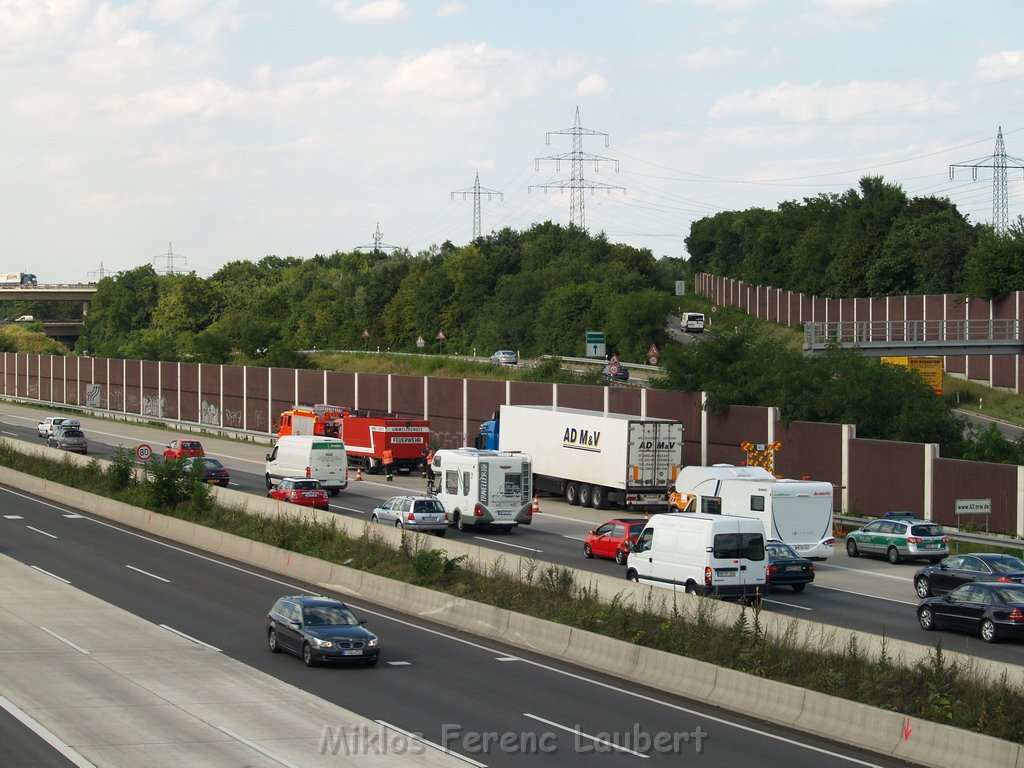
[
  {"x": 691, "y": 322},
  {"x": 323, "y": 458},
  {"x": 484, "y": 488},
  {"x": 701, "y": 554},
  {"x": 798, "y": 512}
]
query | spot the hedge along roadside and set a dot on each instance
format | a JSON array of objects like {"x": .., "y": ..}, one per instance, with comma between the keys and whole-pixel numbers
[{"x": 816, "y": 713}]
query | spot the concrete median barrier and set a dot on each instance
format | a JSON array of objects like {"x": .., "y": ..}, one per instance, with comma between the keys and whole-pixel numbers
[
  {"x": 927, "y": 743},
  {"x": 544, "y": 637},
  {"x": 663, "y": 671},
  {"x": 594, "y": 651},
  {"x": 757, "y": 697}
]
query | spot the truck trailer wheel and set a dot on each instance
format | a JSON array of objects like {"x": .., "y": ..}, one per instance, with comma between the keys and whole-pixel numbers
[
  {"x": 584, "y": 494},
  {"x": 572, "y": 494},
  {"x": 599, "y": 497}
]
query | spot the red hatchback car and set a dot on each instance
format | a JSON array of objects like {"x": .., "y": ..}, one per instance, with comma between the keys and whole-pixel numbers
[
  {"x": 304, "y": 491},
  {"x": 609, "y": 539},
  {"x": 183, "y": 449}
]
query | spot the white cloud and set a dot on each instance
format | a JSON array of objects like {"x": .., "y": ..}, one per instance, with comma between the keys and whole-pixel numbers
[
  {"x": 590, "y": 85},
  {"x": 1001, "y": 64},
  {"x": 376, "y": 10},
  {"x": 446, "y": 10}
]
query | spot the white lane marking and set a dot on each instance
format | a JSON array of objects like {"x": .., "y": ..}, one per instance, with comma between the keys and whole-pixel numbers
[
  {"x": 574, "y": 538},
  {"x": 51, "y": 575},
  {"x": 12, "y": 434},
  {"x": 14, "y": 517},
  {"x": 400, "y": 663},
  {"x": 348, "y": 509},
  {"x": 829, "y": 566},
  {"x": 507, "y": 658},
  {"x": 78, "y": 648},
  {"x": 147, "y": 573},
  {"x": 42, "y": 532},
  {"x": 421, "y": 740},
  {"x": 193, "y": 639},
  {"x": 506, "y": 544},
  {"x": 41, "y": 731},
  {"x": 570, "y": 519},
  {"x": 788, "y": 605},
  {"x": 257, "y": 747},
  {"x": 34, "y": 499},
  {"x": 616, "y": 689},
  {"x": 73, "y": 516},
  {"x": 862, "y": 594},
  {"x": 577, "y": 732}
]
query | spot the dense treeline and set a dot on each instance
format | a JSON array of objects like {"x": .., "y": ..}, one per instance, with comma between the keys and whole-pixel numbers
[
  {"x": 874, "y": 241},
  {"x": 536, "y": 291}
]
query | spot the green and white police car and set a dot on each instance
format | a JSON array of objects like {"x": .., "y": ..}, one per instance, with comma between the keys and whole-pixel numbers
[{"x": 899, "y": 536}]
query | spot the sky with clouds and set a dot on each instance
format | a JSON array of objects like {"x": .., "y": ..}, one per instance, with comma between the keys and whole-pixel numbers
[{"x": 223, "y": 130}]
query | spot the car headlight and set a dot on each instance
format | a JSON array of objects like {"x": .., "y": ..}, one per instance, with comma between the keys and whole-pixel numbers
[
  {"x": 373, "y": 642},
  {"x": 320, "y": 643}
]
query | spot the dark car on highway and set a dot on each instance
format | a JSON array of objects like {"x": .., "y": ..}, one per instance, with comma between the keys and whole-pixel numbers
[
  {"x": 961, "y": 569},
  {"x": 320, "y": 629},
  {"x": 993, "y": 610},
  {"x": 213, "y": 471},
  {"x": 786, "y": 568}
]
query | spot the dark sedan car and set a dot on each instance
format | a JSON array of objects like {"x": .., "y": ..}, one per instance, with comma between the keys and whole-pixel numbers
[
  {"x": 992, "y": 610},
  {"x": 213, "y": 471},
  {"x": 319, "y": 629},
  {"x": 961, "y": 569},
  {"x": 786, "y": 567}
]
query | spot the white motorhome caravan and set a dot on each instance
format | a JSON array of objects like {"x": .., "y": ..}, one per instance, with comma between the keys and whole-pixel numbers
[
  {"x": 798, "y": 512},
  {"x": 701, "y": 554},
  {"x": 315, "y": 456},
  {"x": 484, "y": 488}
]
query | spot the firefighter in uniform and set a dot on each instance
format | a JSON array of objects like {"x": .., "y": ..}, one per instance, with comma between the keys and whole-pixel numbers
[
  {"x": 389, "y": 464},
  {"x": 430, "y": 470}
]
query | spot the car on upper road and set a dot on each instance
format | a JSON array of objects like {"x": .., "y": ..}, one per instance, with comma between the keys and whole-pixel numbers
[
  {"x": 304, "y": 491},
  {"x": 183, "y": 449},
  {"x": 319, "y": 629},
  {"x": 69, "y": 439},
  {"x": 505, "y": 357},
  {"x": 610, "y": 539},
  {"x": 615, "y": 372},
  {"x": 691, "y": 322},
  {"x": 786, "y": 568},
  {"x": 417, "y": 513},
  {"x": 961, "y": 569},
  {"x": 993, "y": 610},
  {"x": 899, "y": 536},
  {"x": 46, "y": 425},
  {"x": 213, "y": 471}
]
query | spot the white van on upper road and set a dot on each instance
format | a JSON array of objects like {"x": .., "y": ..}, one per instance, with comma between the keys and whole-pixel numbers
[{"x": 691, "y": 322}]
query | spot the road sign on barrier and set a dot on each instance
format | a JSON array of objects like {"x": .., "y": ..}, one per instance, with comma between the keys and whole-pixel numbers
[{"x": 143, "y": 452}]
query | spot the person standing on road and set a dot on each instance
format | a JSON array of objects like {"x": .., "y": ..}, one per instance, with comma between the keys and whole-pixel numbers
[
  {"x": 389, "y": 464},
  {"x": 429, "y": 462}
]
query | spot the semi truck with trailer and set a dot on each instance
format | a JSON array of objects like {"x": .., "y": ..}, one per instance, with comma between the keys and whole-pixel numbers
[
  {"x": 366, "y": 437},
  {"x": 17, "y": 280},
  {"x": 798, "y": 512},
  {"x": 592, "y": 458}
]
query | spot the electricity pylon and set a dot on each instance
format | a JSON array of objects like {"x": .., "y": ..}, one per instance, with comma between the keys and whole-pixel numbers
[
  {"x": 576, "y": 182},
  {"x": 476, "y": 191},
  {"x": 378, "y": 243},
  {"x": 998, "y": 162}
]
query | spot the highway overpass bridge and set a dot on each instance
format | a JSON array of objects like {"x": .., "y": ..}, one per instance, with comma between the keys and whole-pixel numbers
[
  {"x": 918, "y": 337},
  {"x": 63, "y": 330}
]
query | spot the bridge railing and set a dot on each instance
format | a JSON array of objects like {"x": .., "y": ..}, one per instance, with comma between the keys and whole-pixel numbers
[{"x": 883, "y": 332}]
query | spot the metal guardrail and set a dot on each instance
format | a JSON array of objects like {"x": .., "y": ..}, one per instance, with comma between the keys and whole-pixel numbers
[{"x": 895, "y": 337}]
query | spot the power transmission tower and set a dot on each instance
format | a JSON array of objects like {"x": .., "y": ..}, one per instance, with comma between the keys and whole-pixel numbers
[
  {"x": 169, "y": 268},
  {"x": 100, "y": 273},
  {"x": 476, "y": 191},
  {"x": 378, "y": 243},
  {"x": 998, "y": 162},
  {"x": 576, "y": 182}
]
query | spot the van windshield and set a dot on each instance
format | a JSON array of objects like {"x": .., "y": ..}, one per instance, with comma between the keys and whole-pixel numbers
[{"x": 739, "y": 546}]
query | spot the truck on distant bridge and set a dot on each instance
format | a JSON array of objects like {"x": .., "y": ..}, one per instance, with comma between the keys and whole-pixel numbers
[{"x": 17, "y": 280}]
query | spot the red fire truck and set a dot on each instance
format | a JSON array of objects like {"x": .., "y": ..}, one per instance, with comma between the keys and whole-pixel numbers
[{"x": 366, "y": 437}]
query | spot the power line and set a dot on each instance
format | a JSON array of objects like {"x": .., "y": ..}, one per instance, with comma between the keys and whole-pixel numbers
[
  {"x": 378, "y": 243},
  {"x": 998, "y": 162},
  {"x": 476, "y": 191},
  {"x": 576, "y": 184},
  {"x": 170, "y": 256}
]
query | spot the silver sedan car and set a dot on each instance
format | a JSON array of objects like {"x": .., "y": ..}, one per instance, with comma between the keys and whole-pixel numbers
[
  {"x": 68, "y": 439},
  {"x": 416, "y": 513}
]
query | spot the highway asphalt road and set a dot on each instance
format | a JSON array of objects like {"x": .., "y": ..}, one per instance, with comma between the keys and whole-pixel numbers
[
  {"x": 863, "y": 594},
  {"x": 447, "y": 686},
  {"x": 22, "y": 747}
]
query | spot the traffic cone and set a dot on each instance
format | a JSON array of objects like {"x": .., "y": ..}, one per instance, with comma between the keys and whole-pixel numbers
[
  {"x": 536, "y": 505},
  {"x": 359, "y": 473}
]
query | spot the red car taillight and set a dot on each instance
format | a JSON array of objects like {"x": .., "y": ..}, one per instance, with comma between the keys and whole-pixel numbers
[
  {"x": 707, "y": 575},
  {"x": 913, "y": 540},
  {"x": 810, "y": 567},
  {"x": 411, "y": 518},
  {"x": 830, "y": 542},
  {"x": 1016, "y": 615},
  {"x": 945, "y": 539},
  {"x": 772, "y": 569},
  {"x": 478, "y": 511},
  {"x": 1006, "y": 579}
]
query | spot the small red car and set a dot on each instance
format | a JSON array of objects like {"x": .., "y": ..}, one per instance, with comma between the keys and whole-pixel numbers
[
  {"x": 304, "y": 491},
  {"x": 609, "y": 539},
  {"x": 183, "y": 449}
]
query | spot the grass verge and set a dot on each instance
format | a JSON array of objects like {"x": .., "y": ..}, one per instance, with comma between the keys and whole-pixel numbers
[{"x": 935, "y": 689}]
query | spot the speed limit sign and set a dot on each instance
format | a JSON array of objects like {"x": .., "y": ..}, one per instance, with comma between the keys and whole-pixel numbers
[{"x": 143, "y": 452}]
